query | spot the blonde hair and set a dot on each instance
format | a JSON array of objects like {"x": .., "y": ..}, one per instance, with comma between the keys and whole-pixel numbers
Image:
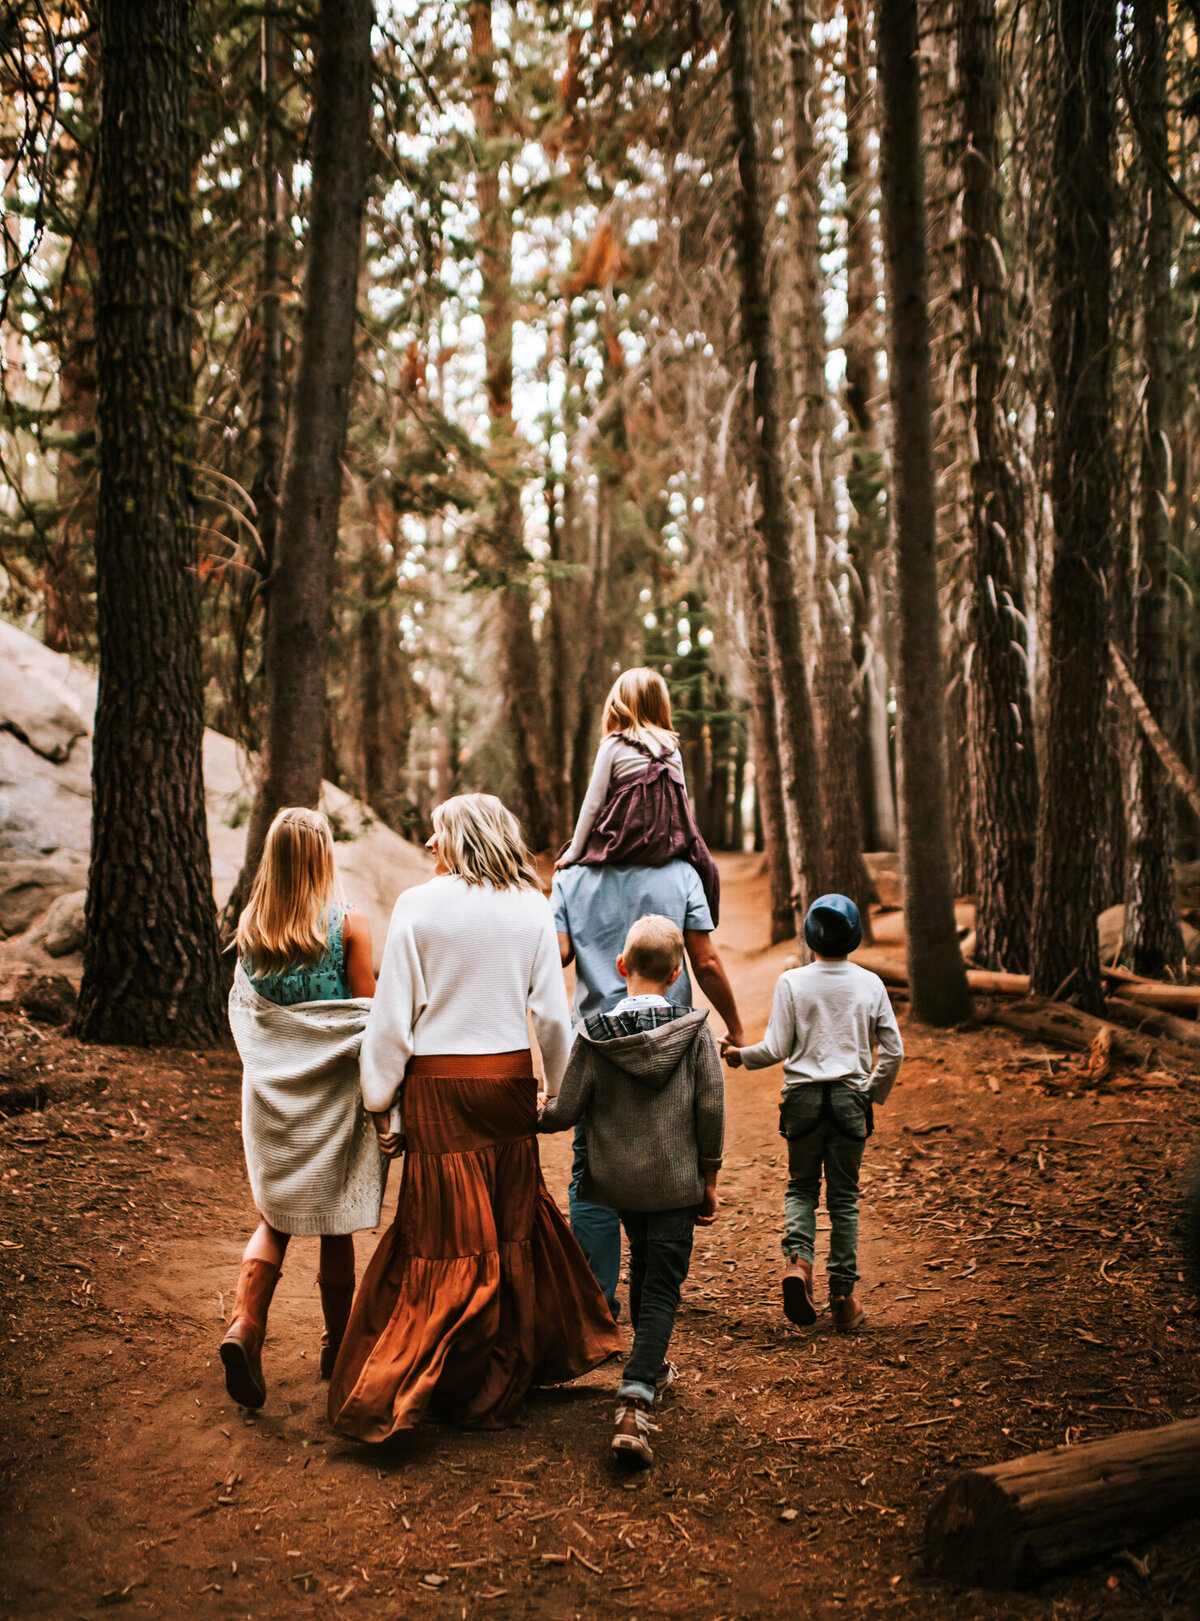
[
  {"x": 653, "y": 948},
  {"x": 639, "y": 705},
  {"x": 480, "y": 840},
  {"x": 284, "y": 924}
]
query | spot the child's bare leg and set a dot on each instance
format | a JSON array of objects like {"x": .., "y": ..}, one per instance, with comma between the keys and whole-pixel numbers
[{"x": 266, "y": 1245}]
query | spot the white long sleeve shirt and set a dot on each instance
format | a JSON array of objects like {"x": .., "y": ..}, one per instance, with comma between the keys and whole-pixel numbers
[
  {"x": 462, "y": 965},
  {"x": 616, "y": 760},
  {"x": 824, "y": 1021}
]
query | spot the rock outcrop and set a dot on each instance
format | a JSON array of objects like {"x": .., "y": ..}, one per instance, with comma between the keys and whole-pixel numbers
[{"x": 47, "y": 702}]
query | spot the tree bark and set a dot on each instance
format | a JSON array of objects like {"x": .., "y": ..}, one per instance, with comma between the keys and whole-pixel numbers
[
  {"x": 834, "y": 682},
  {"x": 789, "y": 679},
  {"x": 1152, "y": 939},
  {"x": 764, "y": 747},
  {"x": 299, "y": 606},
  {"x": 938, "y": 979},
  {"x": 1003, "y": 765},
  {"x": 503, "y": 548},
  {"x": 150, "y": 969},
  {"x": 1074, "y": 792},
  {"x": 867, "y": 536}
]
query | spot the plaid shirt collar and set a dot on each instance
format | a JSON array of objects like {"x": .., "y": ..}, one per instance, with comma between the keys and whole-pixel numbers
[{"x": 609, "y": 1026}]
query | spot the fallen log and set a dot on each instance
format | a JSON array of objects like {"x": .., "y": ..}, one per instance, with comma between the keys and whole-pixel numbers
[
  {"x": 1069, "y": 1027},
  {"x": 992, "y": 982},
  {"x": 1013, "y": 1523},
  {"x": 1138, "y": 1016}
]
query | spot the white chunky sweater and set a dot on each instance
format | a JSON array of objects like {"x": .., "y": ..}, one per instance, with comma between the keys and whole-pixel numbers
[
  {"x": 311, "y": 1152},
  {"x": 461, "y": 966}
]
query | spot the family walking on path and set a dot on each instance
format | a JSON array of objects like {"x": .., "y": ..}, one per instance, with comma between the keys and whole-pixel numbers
[{"x": 479, "y": 1290}]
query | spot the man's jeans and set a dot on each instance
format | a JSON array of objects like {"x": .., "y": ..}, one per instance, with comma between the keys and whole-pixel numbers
[
  {"x": 597, "y": 1228},
  {"x": 660, "y": 1252},
  {"x": 833, "y": 1145}
]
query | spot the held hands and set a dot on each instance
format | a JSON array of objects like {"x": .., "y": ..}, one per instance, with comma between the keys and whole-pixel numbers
[
  {"x": 391, "y": 1143},
  {"x": 731, "y": 1050},
  {"x": 710, "y": 1207}
]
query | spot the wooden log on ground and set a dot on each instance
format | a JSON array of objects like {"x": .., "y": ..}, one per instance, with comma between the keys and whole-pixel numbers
[
  {"x": 1060, "y": 1022},
  {"x": 1137, "y": 1016},
  {"x": 1155, "y": 993},
  {"x": 1013, "y": 1523}
]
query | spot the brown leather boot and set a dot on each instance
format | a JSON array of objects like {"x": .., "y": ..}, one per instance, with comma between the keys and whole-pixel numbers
[
  {"x": 336, "y": 1300},
  {"x": 798, "y": 1306},
  {"x": 241, "y": 1349},
  {"x": 847, "y": 1313}
]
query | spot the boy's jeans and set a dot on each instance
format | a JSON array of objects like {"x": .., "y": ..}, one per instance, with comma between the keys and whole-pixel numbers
[
  {"x": 660, "y": 1252},
  {"x": 597, "y": 1228},
  {"x": 833, "y": 1145}
]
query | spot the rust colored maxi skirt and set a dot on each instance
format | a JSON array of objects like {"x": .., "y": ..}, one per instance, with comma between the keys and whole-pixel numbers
[{"x": 478, "y": 1290}]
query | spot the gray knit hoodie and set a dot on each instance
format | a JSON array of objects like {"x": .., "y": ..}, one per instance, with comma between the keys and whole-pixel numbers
[{"x": 653, "y": 1104}]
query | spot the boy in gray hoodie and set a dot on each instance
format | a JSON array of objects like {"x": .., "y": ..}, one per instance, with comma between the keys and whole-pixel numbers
[{"x": 646, "y": 1078}]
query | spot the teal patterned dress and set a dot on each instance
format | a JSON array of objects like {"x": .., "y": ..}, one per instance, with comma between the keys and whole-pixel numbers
[{"x": 323, "y": 981}]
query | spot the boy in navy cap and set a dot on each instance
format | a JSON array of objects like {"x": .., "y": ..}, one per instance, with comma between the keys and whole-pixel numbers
[{"x": 824, "y": 1022}]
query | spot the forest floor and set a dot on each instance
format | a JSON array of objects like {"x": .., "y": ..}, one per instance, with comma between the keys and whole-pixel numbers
[{"x": 794, "y": 1467}]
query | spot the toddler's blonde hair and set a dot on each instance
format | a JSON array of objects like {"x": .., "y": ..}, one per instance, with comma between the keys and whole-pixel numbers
[
  {"x": 285, "y": 922},
  {"x": 479, "y": 839},
  {"x": 653, "y": 948},
  {"x": 639, "y": 705}
]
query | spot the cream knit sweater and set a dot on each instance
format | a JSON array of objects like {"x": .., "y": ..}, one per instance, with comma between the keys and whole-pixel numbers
[{"x": 462, "y": 964}]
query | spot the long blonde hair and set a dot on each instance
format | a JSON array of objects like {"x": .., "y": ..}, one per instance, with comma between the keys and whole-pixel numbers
[
  {"x": 639, "y": 705},
  {"x": 480, "y": 840},
  {"x": 284, "y": 924}
]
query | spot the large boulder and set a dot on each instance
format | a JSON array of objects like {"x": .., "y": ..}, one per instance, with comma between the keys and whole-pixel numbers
[
  {"x": 47, "y": 702},
  {"x": 1111, "y": 926}
]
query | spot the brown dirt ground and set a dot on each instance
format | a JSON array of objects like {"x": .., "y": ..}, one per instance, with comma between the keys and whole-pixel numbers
[{"x": 794, "y": 1468}]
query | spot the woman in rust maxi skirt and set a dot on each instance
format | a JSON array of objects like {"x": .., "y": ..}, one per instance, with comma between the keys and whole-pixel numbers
[{"x": 478, "y": 1290}]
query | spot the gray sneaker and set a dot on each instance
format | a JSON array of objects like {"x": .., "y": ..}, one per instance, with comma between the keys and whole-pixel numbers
[{"x": 631, "y": 1438}]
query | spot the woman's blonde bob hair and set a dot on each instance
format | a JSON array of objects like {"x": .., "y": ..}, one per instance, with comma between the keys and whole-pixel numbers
[
  {"x": 639, "y": 705},
  {"x": 284, "y": 925},
  {"x": 480, "y": 840}
]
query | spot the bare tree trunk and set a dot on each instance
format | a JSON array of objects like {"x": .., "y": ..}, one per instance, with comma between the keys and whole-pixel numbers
[
  {"x": 1152, "y": 940},
  {"x": 371, "y": 673},
  {"x": 1074, "y": 795},
  {"x": 797, "y": 745},
  {"x": 833, "y": 708},
  {"x": 300, "y": 589},
  {"x": 764, "y": 747},
  {"x": 936, "y": 974},
  {"x": 864, "y": 477},
  {"x": 150, "y": 969},
  {"x": 1003, "y": 765},
  {"x": 504, "y": 547}
]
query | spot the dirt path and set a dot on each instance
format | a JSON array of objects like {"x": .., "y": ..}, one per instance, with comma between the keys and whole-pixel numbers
[{"x": 794, "y": 1468}]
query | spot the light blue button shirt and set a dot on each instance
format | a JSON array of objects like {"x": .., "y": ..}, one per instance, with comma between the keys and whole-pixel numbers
[{"x": 597, "y": 907}]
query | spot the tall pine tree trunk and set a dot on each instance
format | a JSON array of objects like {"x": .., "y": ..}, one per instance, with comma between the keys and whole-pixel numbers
[
  {"x": 150, "y": 970},
  {"x": 764, "y": 749},
  {"x": 1152, "y": 940},
  {"x": 504, "y": 553},
  {"x": 1074, "y": 794},
  {"x": 834, "y": 680},
  {"x": 864, "y": 478},
  {"x": 789, "y": 679},
  {"x": 1002, "y": 762},
  {"x": 937, "y": 977},
  {"x": 300, "y": 588}
]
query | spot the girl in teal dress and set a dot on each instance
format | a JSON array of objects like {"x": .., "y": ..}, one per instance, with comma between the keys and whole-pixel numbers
[{"x": 297, "y": 944}]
